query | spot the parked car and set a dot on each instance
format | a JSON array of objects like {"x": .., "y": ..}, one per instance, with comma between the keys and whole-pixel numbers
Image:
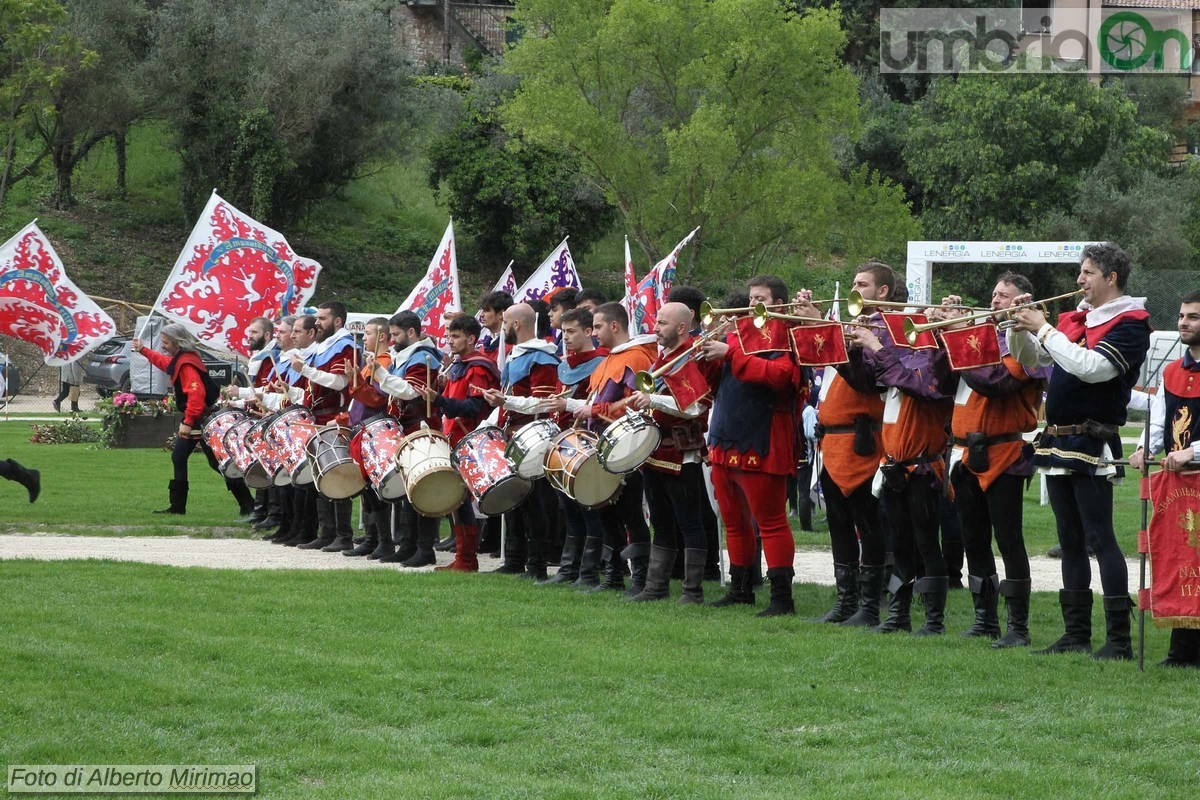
[
  {"x": 108, "y": 367},
  {"x": 10, "y": 375}
]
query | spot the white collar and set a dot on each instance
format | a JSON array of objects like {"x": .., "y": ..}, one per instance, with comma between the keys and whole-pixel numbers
[
  {"x": 262, "y": 354},
  {"x": 339, "y": 336},
  {"x": 636, "y": 341},
  {"x": 1110, "y": 310},
  {"x": 534, "y": 344}
]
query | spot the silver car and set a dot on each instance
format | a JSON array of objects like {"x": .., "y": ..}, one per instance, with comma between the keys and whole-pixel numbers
[{"x": 108, "y": 368}]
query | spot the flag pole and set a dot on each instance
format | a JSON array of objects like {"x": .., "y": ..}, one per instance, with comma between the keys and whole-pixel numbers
[{"x": 1144, "y": 543}]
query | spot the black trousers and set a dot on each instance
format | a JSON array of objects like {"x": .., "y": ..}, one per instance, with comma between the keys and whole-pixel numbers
[
  {"x": 581, "y": 522},
  {"x": 626, "y": 515},
  {"x": 675, "y": 502},
  {"x": 912, "y": 510},
  {"x": 184, "y": 445},
  {"x": 1083, "y": 506},
  {"x": 854, "y": 523},
  {"x": 996, "y": 511}
]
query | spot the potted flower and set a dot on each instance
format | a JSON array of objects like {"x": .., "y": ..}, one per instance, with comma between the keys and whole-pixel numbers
[{"x": 127, "y": 421}]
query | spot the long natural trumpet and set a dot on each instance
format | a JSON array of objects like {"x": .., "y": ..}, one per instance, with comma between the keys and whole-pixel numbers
[
  {"x": 708, "y": 314},
  {"x": 762, "y": 313},
  {"x": 913, "y": 330},
  {"x": 645, "y": 380},
  {"x": 856, "y": 303}
]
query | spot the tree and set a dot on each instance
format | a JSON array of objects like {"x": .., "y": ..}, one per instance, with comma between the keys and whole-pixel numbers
[
  {"x": 36, "y": 57},
  {"x": 995, "y": 156},
  {"x": 518, "y": 199},
  {"x": 728, "y": 115},
  {"x": 277, "y": 102}
]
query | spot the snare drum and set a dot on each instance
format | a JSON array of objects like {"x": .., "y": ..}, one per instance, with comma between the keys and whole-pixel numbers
[
  {"x": 213, "y": 434},
  {"x": 374, "y": 448},
  {"x": 628, "y": 442},
  {"x": 528, "y": 446},
  {"x": 491, "y": 478},
  {"x": 334, "y": 472},
  {"x": 290, "y": 432},
  {"x": 240, "y": 454},
  {"x": 433, "y": 485},
  {"x": 260, "y": 474},
  {"x": 573, "y": 467}
]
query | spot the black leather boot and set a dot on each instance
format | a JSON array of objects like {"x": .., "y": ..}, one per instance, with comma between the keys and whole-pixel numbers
[
  {"x": 781, "y": 593},
  {"x": 427, "y": 533},
  {"x": 405, "y": 537},
  {"x": 31, "y": 479},
  {"x": 1184, "y": 650},
  {"x": 242, "y": 495},
  {"x": 985, "y": 595},
  {"x": 178, "y": 492},
  {"x": 1118, "y": 646},
  {"x": 383, "y": 525},
  {"x": 639, "y": 562},
  {"x": 1016, "y": 599},
  {"x": 738, "y": 593},
  {"x": 1076, "y": 607},
  {"x": 933, "y": 593},
  {"x": 845, "y": 578},
  {"x": 612, "y": 580},
  {"x": 658, "y": 575},
  {"x": 694, "y": 564},
  {"x": 589, "y": 563},
  {"x": 899, "y": 604},
  {"x": 870, "y": 595},
  {"x": 568, "y": 565},
  {"x": 370, "y": 540}
]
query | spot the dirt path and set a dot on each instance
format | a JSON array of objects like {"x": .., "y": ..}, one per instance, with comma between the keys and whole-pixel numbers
[{"x": 812, "y": 566}]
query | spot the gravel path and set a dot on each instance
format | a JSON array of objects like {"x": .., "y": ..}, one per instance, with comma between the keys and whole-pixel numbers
[{"x": 812, "y": 566}]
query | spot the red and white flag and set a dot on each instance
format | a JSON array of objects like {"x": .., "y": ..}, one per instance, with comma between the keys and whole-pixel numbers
[
  {"x": 556, "y": 271},
  {"x": 631, "y": 284},
  {"x": 653, "y": 289},
  {"x": 39, "y": 304},
  {"x": 438, "y": 292},
  {"x": 233, "y": 269}
]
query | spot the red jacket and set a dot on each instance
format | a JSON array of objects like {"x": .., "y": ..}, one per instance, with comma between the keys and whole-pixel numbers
[{"x": 187, "y": 378}]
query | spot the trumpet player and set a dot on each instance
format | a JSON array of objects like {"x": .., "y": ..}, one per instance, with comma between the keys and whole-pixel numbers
[
  {"x": 673, "y": 476},
  {"x": 993, "y": 406},
  {"x": 1097, "y": 353}
]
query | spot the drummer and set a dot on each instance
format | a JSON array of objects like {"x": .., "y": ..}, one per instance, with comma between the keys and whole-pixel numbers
[
  {"x": 491, "y": 316},
  {"x": 530, "y": 376},
  {"x": 584, "y": 540},
  {"x": 463, "y": 408},
  {"x": 414, "y": 367},
  {"x": 289, "y": 389},
  {"x": 674, "y": 480},
  {"x": 609, "y": 389},
  {"x": 367, "y": 403}
]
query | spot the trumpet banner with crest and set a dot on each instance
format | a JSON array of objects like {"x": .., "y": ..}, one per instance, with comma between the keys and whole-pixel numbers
[
  {"x": 1174, "y": 549},
  {"x": 973, "y": 346}
]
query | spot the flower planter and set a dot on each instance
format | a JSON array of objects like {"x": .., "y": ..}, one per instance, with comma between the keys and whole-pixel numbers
[{"x": 146, "y": 431}]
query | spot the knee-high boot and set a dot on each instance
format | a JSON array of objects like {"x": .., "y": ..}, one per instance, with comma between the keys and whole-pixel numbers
[
  {"x": 569, "y": 564},
  {"x": 658, "y": 575},
  {"x": 845, "y": 578},
  {"x": 613, "y": 579},
  {"x": 639, "y": 562},
  {"x": 985, "y": 596},
  {"x": 1016, "y": 599},
  {"x": 178, "y": 492},
  {"x": 1076, "y": 607},
  {"x": 899, "y": 604},
  {"x": 370, "y": 540},
  {"x": 739, "y": 592},
  {"x": 870, "y": 594},
  {"x": 694, "y": 562},
  {"x": 589, "y": 563},
  {"x": 933, "y": 593},
  {"x": 1118, "y": 645},
  {"x": 781, "y": 592},
  {"x": 466, "y": 540}
]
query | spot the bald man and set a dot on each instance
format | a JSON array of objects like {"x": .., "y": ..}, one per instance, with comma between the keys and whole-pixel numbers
[
  {"x": 673, "y": 476},
  {"x": 530, "y": 376}
]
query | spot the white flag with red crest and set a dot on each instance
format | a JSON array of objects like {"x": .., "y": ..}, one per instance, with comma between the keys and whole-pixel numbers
[
  {"x": 39, "y": 304},
  {"x": 437, "y": 293},
  {"x": 233, "y": 269}
]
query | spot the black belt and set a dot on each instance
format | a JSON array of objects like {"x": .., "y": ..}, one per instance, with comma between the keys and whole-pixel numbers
[
  {"x": 1088, "y": 427},
  {"x": 991, "y": 440},
  {"x": 915, "y": 462}
]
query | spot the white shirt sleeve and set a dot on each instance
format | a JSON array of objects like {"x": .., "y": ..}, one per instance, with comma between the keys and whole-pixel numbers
[
  {"x": 330, "y": 380},
  {"x": 247, "y": 394},
  {"x": 523, "y": 405},
  {"x": 1138, "y": 401},
  {"x": 273, "y": 401},
  {"x": 1024, "y": 348},
  {"x": 395, "y": 385},
  {"x": 669, "y": 405},
  {"x": 1158, "y": 413},
  {"x": 574, "y": 405},
  {"x": 1087, "y": 365}
]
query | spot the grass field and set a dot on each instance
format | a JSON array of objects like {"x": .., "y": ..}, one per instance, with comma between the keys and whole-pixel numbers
[{"x": 383, "y": 684}]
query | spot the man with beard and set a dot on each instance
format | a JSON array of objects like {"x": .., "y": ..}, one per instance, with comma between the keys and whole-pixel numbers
[
  {"x": 1097, "y": 353},
  {"x": 529, "y": 377},
  {"x": 674, "y": 481},
  {"x": 415, "y": 364},
  {"x": 463, "y": 407},
  {"x": 325, "y": 396},
  {"x": 1178, "y": 403},
  {"x": 993, "y": 406}
]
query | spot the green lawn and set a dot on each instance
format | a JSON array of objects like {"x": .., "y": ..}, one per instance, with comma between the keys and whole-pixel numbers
[{"x": 383, "y": 684}]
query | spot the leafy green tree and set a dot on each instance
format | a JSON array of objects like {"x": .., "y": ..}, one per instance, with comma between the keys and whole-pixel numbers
[
  {"x": 729, "y": 115},
  {"x": 517, "y": 199},
  {"x": 996, "y": 156},
  {"x": 36, "y": 57}
]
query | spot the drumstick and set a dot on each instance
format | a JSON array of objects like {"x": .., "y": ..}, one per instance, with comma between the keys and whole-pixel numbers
[{"x": 428, "y": 386}]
